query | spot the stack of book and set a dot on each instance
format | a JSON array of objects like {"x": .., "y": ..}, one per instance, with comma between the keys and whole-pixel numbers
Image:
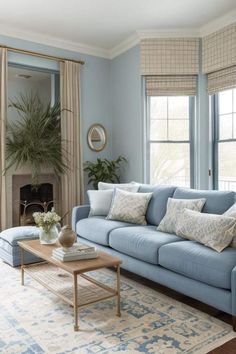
[{"x": 77, "y": 252}]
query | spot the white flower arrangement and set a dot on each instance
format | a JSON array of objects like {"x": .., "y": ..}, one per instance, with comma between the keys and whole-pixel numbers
[{"x": 46, "y": 220}]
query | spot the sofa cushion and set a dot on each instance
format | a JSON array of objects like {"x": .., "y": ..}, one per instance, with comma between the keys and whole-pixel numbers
[
  {"x": 217, "y": 202},
  {"x": 231, "y": 212},
  {"x": 100, "y": 202},
  {"x": 198, "y": 262},
  {"x": 97, "y": 228},
  {"x": 129, "y": 187},
  {"x": 212, "y": 230},
  {"x": 129, "y": 207},
  {"x": 141, "y": 242},
  {"x": 157, "y": 205},
  {"x": 174, "y": 210}
]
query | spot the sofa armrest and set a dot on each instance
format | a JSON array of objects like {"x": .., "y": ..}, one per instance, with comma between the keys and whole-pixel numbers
[
  {"x": 233, "y": 290},
  {"x": 78, "y": 213}
]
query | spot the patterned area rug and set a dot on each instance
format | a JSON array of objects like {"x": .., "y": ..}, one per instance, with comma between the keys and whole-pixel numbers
[{"x": 33, "y": 320}]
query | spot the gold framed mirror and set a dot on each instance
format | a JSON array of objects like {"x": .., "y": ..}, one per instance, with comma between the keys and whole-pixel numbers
[{"x": 97, "y": 137}]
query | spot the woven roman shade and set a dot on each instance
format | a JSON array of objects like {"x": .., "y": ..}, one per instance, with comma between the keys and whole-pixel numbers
[
  {"x": 184, "y": 85},
  {"x": 170, "y": 65},
  {"x": 222, "y": 80},
  {"x": 219, "y": 49},
  {"x": 170, "y": 56},
  {"x": 219, "y": 59}
]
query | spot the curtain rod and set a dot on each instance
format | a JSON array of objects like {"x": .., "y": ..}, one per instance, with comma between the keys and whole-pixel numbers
[{"x": 45, "y": 56}]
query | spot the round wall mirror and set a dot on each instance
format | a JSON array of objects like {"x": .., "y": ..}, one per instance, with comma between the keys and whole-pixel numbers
[{"x": 97, "y": 137}]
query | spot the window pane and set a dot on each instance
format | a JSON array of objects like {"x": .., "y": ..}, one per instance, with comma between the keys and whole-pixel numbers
[
  {"x": 225, "y": 102},
  {"x": 170, "y": 164},
  {"x": 178, "y": 129},
  {"x": 178, "y": 107},
  {"x": 158, "y": 129},
  {"x": 158, "y": 109},
  {"x": 227, "y": 166},
  {"x": 226, "y": 128}
]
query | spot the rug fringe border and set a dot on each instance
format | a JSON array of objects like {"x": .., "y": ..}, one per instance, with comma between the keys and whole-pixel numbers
[{"x": 216, "y": 344}]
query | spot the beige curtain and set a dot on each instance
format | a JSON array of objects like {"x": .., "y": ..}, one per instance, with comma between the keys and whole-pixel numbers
[
  {"x": 72, "y": 181},
  {"x": 3, "y": 111}
]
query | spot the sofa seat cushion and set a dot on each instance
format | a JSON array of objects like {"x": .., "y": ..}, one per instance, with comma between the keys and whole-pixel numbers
[
  {"x": 141, "y": 242},
  {"x": 199, "y": 262},
  {"x": 97, "y": 229}
]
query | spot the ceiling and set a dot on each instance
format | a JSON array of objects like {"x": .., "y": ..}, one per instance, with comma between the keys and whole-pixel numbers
[{"x": 104, "y": 27}]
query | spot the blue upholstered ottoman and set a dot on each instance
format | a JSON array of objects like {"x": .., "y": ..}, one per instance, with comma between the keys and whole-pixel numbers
[{"x": 9, "y": 249}]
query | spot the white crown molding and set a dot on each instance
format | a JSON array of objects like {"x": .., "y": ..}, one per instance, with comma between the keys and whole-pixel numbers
[
  {"x": 174, "y": 33},
  {"x": 54, "y": 42},
  {"x": 219, "y": 23},
  {"x": 126, "y": 44}
]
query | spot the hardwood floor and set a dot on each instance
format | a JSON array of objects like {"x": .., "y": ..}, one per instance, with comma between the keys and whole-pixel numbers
[{"x": 227, "y": 348}]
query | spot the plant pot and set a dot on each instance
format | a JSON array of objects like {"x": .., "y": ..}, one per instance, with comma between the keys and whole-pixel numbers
[{"x": 50, "y": 237}]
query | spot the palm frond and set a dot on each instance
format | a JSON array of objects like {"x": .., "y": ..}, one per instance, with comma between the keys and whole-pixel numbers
[{"x": 34, "y": 139}]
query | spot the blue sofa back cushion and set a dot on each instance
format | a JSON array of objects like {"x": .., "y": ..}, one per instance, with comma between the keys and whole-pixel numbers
[
  {"x": 217, "y": 202},
  {"x": 157, "y": 205}
]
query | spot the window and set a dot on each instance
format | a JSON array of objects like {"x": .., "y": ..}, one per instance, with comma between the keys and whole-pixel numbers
[
  {"x": 169, "y": 142},
  {"x": 224, "y": 104}
]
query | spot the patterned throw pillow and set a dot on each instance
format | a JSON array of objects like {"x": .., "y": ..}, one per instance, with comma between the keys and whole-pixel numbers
[
  {"x": 129, "y": 187},
  {"x": 129, "y": 207},
  {"x": 214, "y": 231},
  {"x": 100, "y": 202},
  {"x": 174, "y": 210},
  {"x": 232, "y": 213}
]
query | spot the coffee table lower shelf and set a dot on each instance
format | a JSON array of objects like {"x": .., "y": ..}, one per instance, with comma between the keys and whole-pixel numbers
[{"x": 78, "y": 291}]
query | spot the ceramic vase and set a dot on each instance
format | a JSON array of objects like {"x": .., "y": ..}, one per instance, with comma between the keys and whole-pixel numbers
[{"x": 67, "y": 237}]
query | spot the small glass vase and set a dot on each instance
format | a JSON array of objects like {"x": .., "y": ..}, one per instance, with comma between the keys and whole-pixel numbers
[{"x": 50, "y": 237}]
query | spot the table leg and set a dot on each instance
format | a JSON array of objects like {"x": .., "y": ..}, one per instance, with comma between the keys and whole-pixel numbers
[
  {"x": 22, "y": 265},
  {"x": 76, "y": 327},
  {"x": 118, "y": 290}
]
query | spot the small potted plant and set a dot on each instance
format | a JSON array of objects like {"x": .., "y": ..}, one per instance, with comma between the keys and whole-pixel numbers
[
  {"x": 47, "y": 223},
  {"x": 104, "y": 170}
]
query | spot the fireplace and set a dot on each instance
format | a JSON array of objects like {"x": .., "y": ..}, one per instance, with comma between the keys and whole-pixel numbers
[
  {"x": 27, "y": 199},
  {"x": 34, "y": 199}
]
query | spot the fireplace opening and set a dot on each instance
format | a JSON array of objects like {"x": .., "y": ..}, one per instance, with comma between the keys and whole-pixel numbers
[{"x": 34, "y": 199}]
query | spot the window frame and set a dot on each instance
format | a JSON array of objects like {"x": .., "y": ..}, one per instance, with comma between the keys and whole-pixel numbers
[
  {"x": 216, "y": 139},
  {"x": 192, "y": 113}
]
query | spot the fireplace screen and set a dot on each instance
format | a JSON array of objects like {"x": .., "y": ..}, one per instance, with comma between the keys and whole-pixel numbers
[{"x": 34, "y": 199}]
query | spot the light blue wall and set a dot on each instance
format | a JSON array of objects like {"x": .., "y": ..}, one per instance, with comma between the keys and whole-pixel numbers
[
  {"x": 127, "y": 129},
  {"x": 111, "y": 94},
  {"x": 95, "y": 86}
]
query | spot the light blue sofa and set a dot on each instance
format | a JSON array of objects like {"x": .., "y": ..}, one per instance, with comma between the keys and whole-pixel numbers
[{"x": 185, "y": 266}]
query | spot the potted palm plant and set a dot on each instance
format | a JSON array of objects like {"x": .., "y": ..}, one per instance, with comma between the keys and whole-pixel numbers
[{"x": 34, "y": 139}]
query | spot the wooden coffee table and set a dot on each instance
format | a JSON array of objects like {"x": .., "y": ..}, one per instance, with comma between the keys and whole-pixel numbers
[{"x": 68, "y": 279}]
